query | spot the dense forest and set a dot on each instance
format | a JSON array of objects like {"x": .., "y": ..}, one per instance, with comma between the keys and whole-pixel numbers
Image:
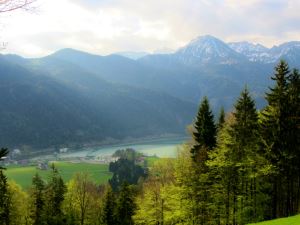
[{"x": 240, "y": 168}]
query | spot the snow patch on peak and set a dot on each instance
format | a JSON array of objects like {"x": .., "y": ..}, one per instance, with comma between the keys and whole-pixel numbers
[
  {"x": 245, "y": 46},
  {"x": 205, "y": 49},
  {"x": 254, "y": 52}
]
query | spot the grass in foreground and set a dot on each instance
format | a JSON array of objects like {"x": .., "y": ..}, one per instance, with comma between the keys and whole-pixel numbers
[
  {"x": 293, "y": 220},
  {"x": 23, "y": 175}
]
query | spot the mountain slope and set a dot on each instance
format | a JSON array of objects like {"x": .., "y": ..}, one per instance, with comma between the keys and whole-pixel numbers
[
  {"x": 64, "y": 104},
  {"x": 208, "y": 49},
  {"x": 254, "y": 52},
  {"x": 73, "y": 96},
  {"x": 289, "y": 51},
  {"x": 164, "y": 73}
]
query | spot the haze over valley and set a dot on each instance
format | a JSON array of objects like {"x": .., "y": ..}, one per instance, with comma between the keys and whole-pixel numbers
[
  {"x": 74, "y": 97},
  {"x": 128, "y": 112}
]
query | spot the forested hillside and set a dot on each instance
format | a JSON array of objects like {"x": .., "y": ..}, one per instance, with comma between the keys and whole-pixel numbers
[
  {"x": 73, "y": 97},
  {"x": 239, "y": 170},
  {"x": 63, "y": 104}
]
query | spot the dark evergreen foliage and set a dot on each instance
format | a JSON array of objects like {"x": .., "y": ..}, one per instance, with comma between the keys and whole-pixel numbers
[
  {"x": 221, "y": 119},
  {"x": 125, "y": 170},
  {"x": 3, "y": 154},
  {"x": 205, "y": 129},
  {"x": 54, "y": 194},
  {"x": 109, "y": 208},
  {"x": 243, "y": 149},
  {"x": 4, "y": 200},
  {"x": 125, "y": 205},
  {"x": 38, "y": 211},
  {"x": 247, "y": 172},
  {"x": 280, "y": 137}
]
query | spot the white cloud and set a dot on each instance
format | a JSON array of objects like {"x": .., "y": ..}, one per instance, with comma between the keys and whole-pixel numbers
[{"x": 106, "y": 26}]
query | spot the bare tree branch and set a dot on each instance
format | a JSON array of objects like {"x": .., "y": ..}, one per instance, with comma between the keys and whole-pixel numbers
[{"x": 11, "y": 5}]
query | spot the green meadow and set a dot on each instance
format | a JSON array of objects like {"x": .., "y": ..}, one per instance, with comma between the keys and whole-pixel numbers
[
  {"x": 293, "y": 220},
  {"x": 23, "y": 175}
]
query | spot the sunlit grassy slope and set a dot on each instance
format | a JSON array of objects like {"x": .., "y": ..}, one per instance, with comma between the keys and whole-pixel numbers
[
  {"x": 23, "y": 175},
  {"x": 293, "y": 220}
]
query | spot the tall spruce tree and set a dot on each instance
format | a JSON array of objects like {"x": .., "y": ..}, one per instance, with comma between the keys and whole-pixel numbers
[
  {"x": 4, "y": 195},
  {"x": 205, "y": 140},
  {"x": 109, "y": 208},
  {"x": 274, "y": 116},
  {"x": 54, "y": 196},
  {"x": 3, "y": 154},
  {"x": 125, "y": 205},
  {"x": 243, "y": 145},
  {"x": 221, "y": 119},
  {"x": 245, "y": 128},
  {"x": 278, "y": 132},
  {"x": 205, "y": 130},
  {"x": 4, "y": 200},
  {"x": 38, "y": 211},
  {"x": 236, "y": 167},
  {"x": 294, "y": 139}
]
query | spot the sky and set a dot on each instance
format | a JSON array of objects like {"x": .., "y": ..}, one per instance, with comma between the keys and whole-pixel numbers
[{"x": 108, "y": 26}]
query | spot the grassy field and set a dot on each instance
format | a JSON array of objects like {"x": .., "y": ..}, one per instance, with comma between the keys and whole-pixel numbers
[
  {"x": 23, "y": 175},
  {"x": 293, "y": 220}
]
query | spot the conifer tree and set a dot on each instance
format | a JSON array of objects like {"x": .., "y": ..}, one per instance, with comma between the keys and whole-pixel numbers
[
  {"x": 294, "y": 116},
  {"x": 4, "y": 194},
  {"x": 205, "y": 140},
  {"x": 243, "y": 145},
  {"x": 3, "y": 154},
  {"x": 4, "y": 200},
  {"x": 245, "y": 128},
  {"x": 278, "y": 132},
  {"x": 125, "y": 205},
  {"x": 54, "y": 195},
  {"x": 294, "y": 139},
  {"x": 236, "y": 167},
  {"x": 205, "y": 130},
  {"x": 38, "y": 201},
  {"x": 109, "y": 208},
  {"x": 274, "y": 116},
  {"x": 221, "y": 119}
]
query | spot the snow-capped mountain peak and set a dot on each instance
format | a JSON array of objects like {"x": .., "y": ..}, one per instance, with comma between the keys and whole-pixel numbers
[
  {"x": 211, "y": 50},
  {"x": 245, "y": 46},
  {"x": 254, "y": 52},
  {"x": 208, "y": 49},
  {"x": 259, "y": 53},
  {"x": 289, "y": 51}
]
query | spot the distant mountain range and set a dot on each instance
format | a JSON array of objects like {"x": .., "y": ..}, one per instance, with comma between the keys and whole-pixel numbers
[
  {"x": 73, "y": 97},
  {"x": 206, "y": 49}
]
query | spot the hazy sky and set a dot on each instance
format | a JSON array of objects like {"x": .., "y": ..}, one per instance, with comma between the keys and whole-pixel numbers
[{"x": 107, "y": 26}]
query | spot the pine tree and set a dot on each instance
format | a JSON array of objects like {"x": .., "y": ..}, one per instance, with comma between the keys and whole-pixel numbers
[
  {"x": 109, "y": 208},
  {"x": 4, "y": 194},
  {"x": 3, "y": 154},
  {"x": 54, "y": 196},
  {"x": 4, "y": 200},
  {"x": 125, "y": 205},
  {"x": 38, "y": 198},
  {"x": 221, "y": 119},
  {"x": 205, "y": 130},
  {"x": 205, "y": 140},
  {"x": 245, "y": 128},
  {"x": 244, "y": 143},
  {"x": 278, "y": 138},
  {"x": 294, "y": 115},
  {"x": 236, "y": 167},
  {"x": 294, "y": 138}
]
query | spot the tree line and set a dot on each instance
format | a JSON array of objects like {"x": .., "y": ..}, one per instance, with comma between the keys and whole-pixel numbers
[
  {"x": 238, "y": 169},
  {"x": 243, "y": 169}
]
